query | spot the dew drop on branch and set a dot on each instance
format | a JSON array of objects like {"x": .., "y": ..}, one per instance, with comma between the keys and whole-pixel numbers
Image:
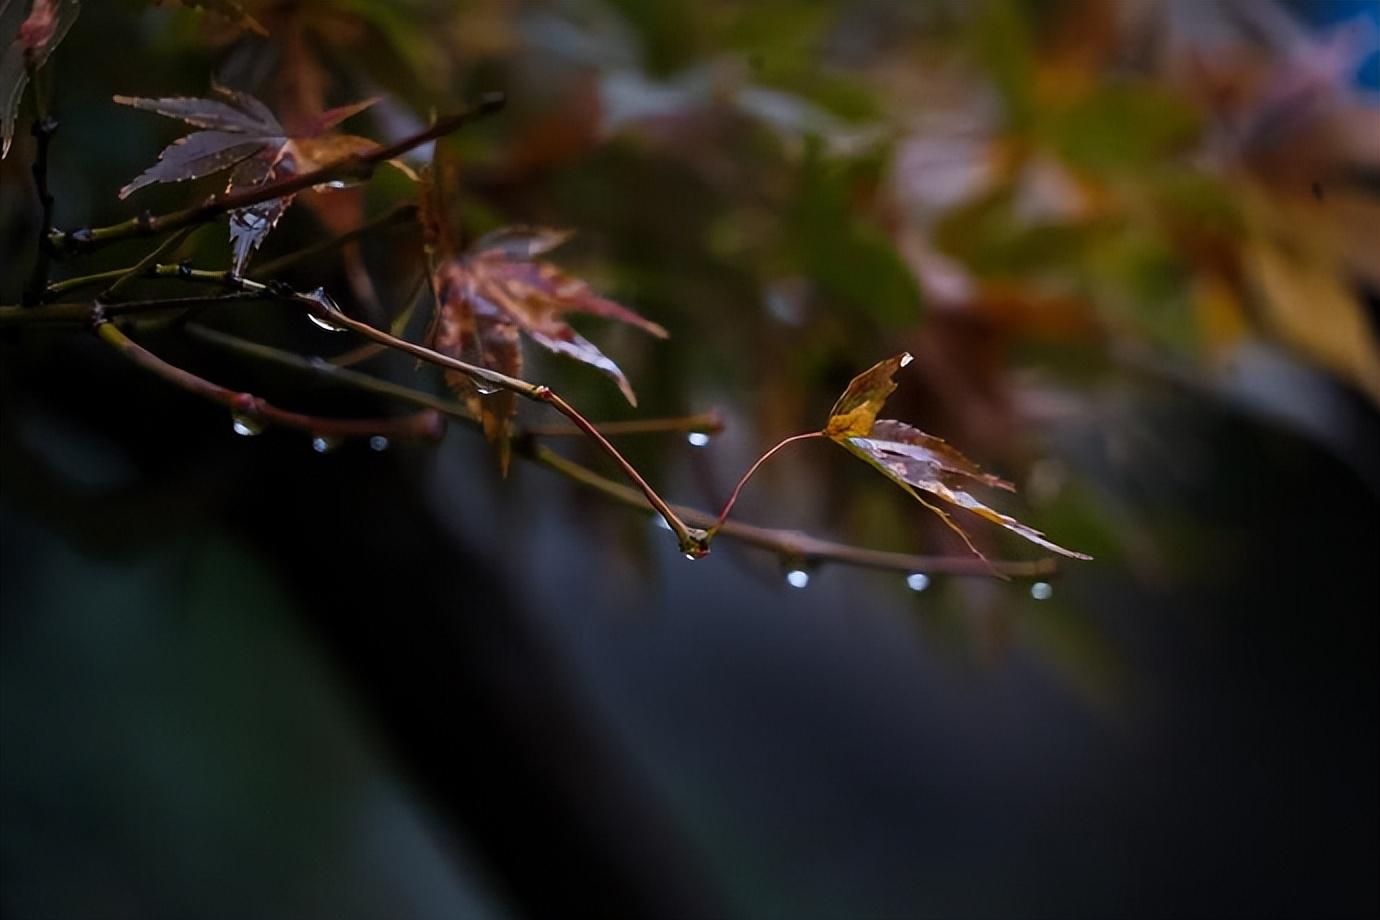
[
  {"x": 1042, "y": 590},
  {"x": 378, "y": 442},
  {"x": 323, "y": 444},
  {"x": 697, "y": 439},
  {"x": 797, "y": 578},
  {"x": 246, "y": 425},
  {"x": 917, "y": 581}
]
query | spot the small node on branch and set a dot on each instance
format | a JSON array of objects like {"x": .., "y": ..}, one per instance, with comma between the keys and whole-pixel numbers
[{"x": 44, "y": 128}]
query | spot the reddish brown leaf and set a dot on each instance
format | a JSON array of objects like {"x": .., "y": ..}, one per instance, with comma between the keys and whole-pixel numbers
[
  {"x": 241, "y": 134},
  {"x": 913, "y": 459},
  {"x": 487, "y": 296}
]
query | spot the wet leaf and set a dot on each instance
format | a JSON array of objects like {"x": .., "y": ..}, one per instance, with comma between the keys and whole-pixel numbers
[
  {"x": 494, "y": 291},
  {"x": 913, "y": 459},
  {"x": 241, "y": 134},
  {"x": 39, "y": 34}
]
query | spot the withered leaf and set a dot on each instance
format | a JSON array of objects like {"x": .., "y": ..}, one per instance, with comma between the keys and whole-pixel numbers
[
  {"x": 242, "y": 135},
  {"x": 913, "y": 459},
  {"x": 494, "y": 291},
  {"x": 39, "y": 34}
]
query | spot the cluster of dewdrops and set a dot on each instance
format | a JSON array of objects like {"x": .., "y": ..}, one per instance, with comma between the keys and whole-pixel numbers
[{"x": 915, "y": 581}]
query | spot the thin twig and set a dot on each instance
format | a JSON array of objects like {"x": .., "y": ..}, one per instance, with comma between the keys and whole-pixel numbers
[
  {"x": 83, "y": 314},
  {"x": 711, "y": 422},
  {"x": 692, "y": 540},
  {"x": 356, "y": 166},
  {"x": 791, "y": 545},
  {"x": 325, "y": 369},
  {"x": 425, "y": 424},
  {"x": 398, "y": 214},
  {"x": 140, "y": 268},
  {"x": 44, "y": 127}
]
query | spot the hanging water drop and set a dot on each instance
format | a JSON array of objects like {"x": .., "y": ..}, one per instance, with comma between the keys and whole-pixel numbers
[
  {"x": 320, "y": 296},
  {"x": 246, "y": 425},
  {"x": 324, "y": 445},
  {"x": 1042, "y": 590},
  {"x": 797, "y": 578},
  {"x": 697, "y": 439},
  {"x": 917, "y": 581},
  {"x": 378, "y": 442},
  {"x": 907, "y": 358}
]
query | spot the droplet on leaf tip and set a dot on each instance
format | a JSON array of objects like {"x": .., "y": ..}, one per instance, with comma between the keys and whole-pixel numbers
[
  {"x": 917, "y": 581},
  {"x": 245, "y": 425},
  {"x": 907, "y": 358},
  {"x": 697, "y": 439},
  {"x": 797, "y": 578},
  {"x": 1042, "y": 590}
]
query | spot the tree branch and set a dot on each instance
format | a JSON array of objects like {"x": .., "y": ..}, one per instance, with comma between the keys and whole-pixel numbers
[
  {"x": 426, "y": 424},
  {"x": 793, "y": 546},
  {"x": 789, "y": 545},
  {"x": 357, "y": 165}
]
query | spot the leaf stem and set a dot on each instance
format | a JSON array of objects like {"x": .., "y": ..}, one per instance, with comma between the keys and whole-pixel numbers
[{"x": 733, "y": 499}]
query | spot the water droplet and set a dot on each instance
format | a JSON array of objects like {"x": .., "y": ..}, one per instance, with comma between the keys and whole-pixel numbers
[
  {"x": 697, "y": 439},
  {"x": 246, "y": 425},
  {"x": 324, "y": 445},
  {"x": 907, "y": 358},
  {"x": 320, "y": 296},
  {"x": 691, "y": 556},
  {"x": 1042, "y": 590},
  {"x": 661, "y": 522},
  {"x": 917, "y": 581},
  {"x": 797, "y": 578},
  {"x": 378, "y": 442},
  {"x": 484, "y": 388}
]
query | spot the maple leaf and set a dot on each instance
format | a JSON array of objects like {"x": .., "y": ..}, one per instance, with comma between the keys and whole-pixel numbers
[
  {"x": 495, "y": 291},
  {"x": 913, "y": 459},
  {"x": 241, "y": 134},
  {"x": 41, "y": 31}
]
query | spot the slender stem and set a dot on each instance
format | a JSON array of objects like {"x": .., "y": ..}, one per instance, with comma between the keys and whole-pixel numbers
[
  {"x": 693, "y": 541},
  {"x": 793, "y": 545},
  {"x": 357, "y": 165},
  {"x": 44, "y": 127},
  {"x": 83, "y": 313},
  {"x": 323, "y": 368},
  {"x": 398, "y": 214},
  {"x": 733, "y": 499},
  {"x": 426, "y": 424},
  {"x": 711, "y": 422},
  {"x": 140, "y": 268}
]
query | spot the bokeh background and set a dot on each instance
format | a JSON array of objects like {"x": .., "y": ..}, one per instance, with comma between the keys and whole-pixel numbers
[{"x": 1132, "y": 245}]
